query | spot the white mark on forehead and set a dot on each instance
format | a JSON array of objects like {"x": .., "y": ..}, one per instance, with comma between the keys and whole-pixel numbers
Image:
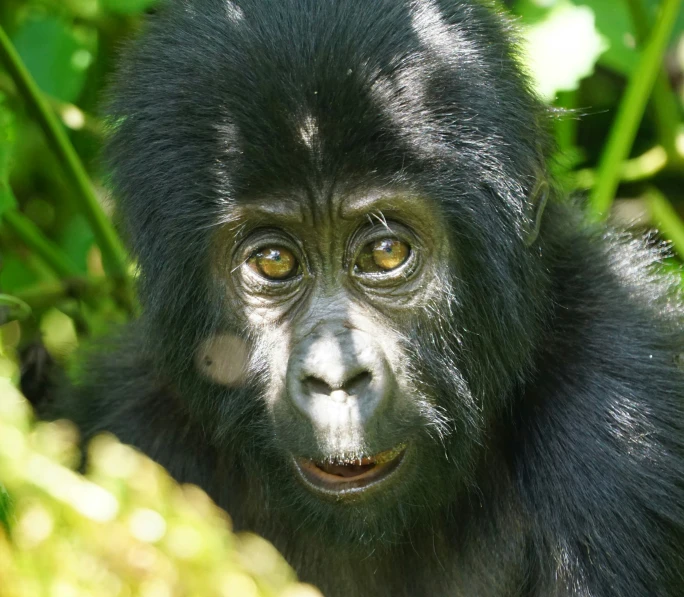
[
  {"x": 436, "y": 34},
  {"x": 402, "y": 99},
  {"x": 309, "y": 131},
  {"x": 234, "y": 12}
]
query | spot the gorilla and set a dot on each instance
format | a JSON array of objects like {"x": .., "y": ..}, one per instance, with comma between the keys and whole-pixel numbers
[{"x": 373, "y": 329}]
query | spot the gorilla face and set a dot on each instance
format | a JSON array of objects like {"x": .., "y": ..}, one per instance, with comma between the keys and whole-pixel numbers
[
  {"x": 338, "y": 274},
  {"x": 369, "y": 363},
  {"x": 333, "y": 292}
]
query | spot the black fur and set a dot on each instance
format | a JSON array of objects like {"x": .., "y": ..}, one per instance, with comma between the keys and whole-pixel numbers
[{"x": 551, "y": 454}]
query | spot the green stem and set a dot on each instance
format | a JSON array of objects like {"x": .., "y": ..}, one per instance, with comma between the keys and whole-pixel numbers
[
  {"x": 631, "y": 110},
  {"x": 664, "y": 216},
  {"x": 12, "y": 309},
  {"x": 114, "y": 255},
  {"x": 566, "y": 122},
  {"x": 90, "y": 124},
  {"x": 46, "y": 295},
  {"x": 639, "y": 168},
  {"x": 666, "y": 108},
  {"x": 33, "y": 238}
]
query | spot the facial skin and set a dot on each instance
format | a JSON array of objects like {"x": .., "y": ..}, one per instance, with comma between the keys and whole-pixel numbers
[{"x": 331, "y": 290}]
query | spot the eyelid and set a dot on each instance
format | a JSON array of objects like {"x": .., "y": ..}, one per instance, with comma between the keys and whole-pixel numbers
[
  {"x": 378, "y": 231},
  {"x": 404, "y": 272},
  {"x": 260, "y": 268},
  {"x": 263, "y": 238}
]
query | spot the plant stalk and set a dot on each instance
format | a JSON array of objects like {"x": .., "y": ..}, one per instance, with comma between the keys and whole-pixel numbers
[
  {"x": 113, "y": 253},
  {"x": 631, "y": 110}
]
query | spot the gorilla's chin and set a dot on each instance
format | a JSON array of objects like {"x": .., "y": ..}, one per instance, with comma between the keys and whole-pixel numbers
[{"x": 342, "y": 478}]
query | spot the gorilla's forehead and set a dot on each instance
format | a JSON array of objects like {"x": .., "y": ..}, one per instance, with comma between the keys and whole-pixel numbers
[
  {"x": 243, "y": 99},
  {"x": 309, "y": 91}
]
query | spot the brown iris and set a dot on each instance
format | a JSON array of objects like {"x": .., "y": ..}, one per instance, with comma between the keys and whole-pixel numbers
[
  {"x": 274, "y": 263},
  {"x": 382, "y": 255}
]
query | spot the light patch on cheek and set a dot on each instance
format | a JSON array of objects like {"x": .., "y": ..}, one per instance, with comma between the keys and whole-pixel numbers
[{"x": 224, "y": 359}]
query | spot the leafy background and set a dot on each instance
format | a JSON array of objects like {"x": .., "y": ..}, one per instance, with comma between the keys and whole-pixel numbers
[{"x": 613, "y": 69}]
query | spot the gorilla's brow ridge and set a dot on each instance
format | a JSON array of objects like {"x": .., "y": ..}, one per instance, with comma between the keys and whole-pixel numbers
[{"x": 284, "y": 210}]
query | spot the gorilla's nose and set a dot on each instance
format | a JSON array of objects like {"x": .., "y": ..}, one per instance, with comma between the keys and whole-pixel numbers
[
  {"x": 356, "y": 386},
  {"x": 333, "y": 373}
]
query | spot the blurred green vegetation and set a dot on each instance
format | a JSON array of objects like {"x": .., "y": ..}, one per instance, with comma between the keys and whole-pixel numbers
[
  {"x": 125, "y": 528},
  {"x": 613, "y": 68}
]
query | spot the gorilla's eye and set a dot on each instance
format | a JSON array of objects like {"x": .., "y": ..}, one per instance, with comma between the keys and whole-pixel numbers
[
  {"x": 274, "y": 263},
  {"x": 382, "y": 255}
]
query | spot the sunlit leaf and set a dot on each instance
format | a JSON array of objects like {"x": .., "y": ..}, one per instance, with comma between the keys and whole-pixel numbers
[
  {"x": 562, "y": 48},
  {"x": 612, "y": 20},
  {"x": 124, "y": 528},
  {"x": 59, "y": 333},
  {"x": 55, "y": 55}
]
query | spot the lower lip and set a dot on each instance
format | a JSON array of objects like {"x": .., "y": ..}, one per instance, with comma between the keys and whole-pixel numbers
[{"x": 330, "y": 485}]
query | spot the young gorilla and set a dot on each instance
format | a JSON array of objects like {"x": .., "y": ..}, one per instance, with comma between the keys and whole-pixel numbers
[{"x": 360, "y": 335}]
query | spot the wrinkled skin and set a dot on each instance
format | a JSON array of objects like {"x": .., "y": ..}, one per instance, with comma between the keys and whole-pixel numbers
[{"x": 371, "y": 329}]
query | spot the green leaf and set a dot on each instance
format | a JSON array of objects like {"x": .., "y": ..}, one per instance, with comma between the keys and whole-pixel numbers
[
  {"x": 4, "y": 509},
  {"x": 55, "y": 55},
  {"x": 666, "y": 218},
  {"x": 127, "y": 7},
  {"x": 15, "y": 274},
  {"x": 631, "y": 110},
  {"x": 13, "y": 309},
  {"x": 7, "y": 138},
  {"x": 77, "y": 238},
  {"x": 615, "y": 22}
]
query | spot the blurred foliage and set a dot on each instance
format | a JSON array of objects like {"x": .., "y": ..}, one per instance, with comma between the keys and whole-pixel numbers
[
  {"x": 125, "y": 528},
  {"x": 614, "y": 71}
]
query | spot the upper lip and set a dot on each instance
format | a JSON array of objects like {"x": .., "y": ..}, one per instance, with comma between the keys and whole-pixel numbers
[{"x": 339, "y": 477}]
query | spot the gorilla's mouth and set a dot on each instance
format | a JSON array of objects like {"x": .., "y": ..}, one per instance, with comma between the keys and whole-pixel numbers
[{"x": 350, "y": 476}]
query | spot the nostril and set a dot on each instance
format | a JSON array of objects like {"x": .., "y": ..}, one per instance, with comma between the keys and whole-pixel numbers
[
  {"x": 314, "y": 385},
  {"x": 358, "y": 384}
]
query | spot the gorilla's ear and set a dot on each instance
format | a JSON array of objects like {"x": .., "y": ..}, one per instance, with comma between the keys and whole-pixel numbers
[{"x": 535, "y": 209}]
